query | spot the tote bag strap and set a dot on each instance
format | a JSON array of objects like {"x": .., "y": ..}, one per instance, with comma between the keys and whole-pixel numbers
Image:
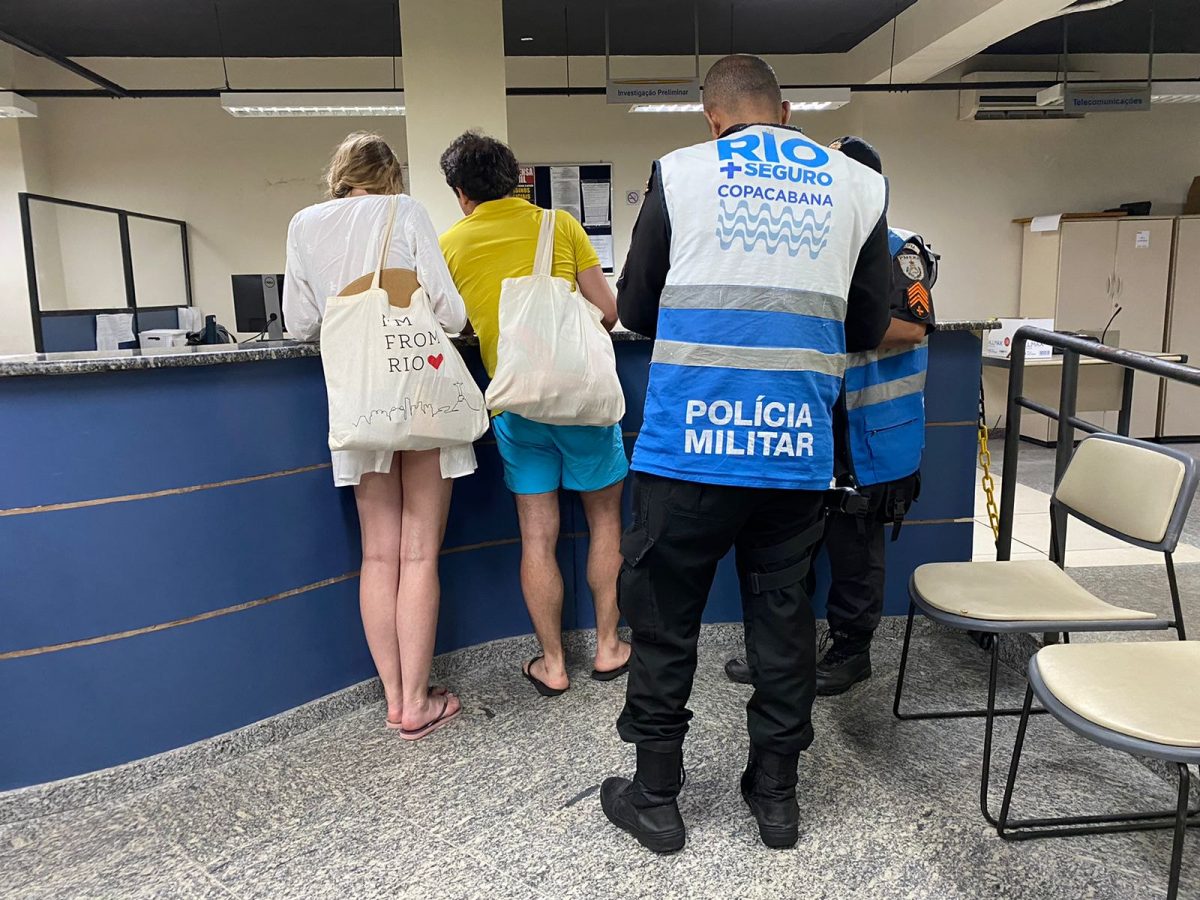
[
  {"x": 387, "y": 242},
  {"x": 543, "y": 260}
]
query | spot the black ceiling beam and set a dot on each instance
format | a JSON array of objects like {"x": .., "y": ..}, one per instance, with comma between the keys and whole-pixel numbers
[
  {"x": 923, "y": 86},
  {"x": 111, "y": 88}
]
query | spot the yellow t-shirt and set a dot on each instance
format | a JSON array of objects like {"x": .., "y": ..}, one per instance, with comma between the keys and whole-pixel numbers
[{"x": 497, "y": 241}]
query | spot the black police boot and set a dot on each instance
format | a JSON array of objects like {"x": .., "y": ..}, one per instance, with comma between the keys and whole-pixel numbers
[
  {"x": 846, "y": 664},
  {"x": 646, "y": 807},
  {"x": 769, "y": 789},
  {"x": 738, "y": 671}
]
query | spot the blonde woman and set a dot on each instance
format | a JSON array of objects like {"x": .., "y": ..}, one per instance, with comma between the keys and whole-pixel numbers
[{"x": 402, "y": 496}]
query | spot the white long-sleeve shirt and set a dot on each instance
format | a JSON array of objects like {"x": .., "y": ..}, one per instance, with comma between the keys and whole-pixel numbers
[{"x": 331, "y": 244}]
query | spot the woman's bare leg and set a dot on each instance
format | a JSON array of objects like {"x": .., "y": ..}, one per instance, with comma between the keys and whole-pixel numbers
[
  {"x": 379, "y": 500},
  {"x": 426, "y": 504}
]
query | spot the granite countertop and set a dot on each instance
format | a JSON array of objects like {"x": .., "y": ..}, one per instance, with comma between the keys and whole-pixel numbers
[
  {"x": 86, "y": 362},
  {"x": 968, "y": 325}
]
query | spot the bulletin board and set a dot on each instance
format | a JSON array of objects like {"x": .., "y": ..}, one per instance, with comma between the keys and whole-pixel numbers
[{"x": 582, "y": 189}]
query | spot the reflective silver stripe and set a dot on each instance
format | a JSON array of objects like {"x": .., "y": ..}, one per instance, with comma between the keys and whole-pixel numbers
[
  {"x": 720, "y": 356},
  {"x": 889, "y": 390},
  {"x": 755, "y": 297},
  {"x": 853, "y": 360}
]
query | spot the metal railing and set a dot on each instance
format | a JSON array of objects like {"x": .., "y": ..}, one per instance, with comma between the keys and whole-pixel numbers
[{"x": 1073, "y": 348}]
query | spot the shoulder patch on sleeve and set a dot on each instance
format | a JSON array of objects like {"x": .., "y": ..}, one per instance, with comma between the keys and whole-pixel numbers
[
  {"x": 911, "y": 264},
  {"x": 917, "y": 300}
]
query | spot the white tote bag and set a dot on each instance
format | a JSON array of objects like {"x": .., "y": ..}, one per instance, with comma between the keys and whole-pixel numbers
[
  {"x": 394, "y": 379},
  {"x": 555, "y": 361}
]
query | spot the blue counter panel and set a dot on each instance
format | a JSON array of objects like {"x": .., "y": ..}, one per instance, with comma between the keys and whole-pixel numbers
[
  {"x": 481, "y": 507},
  {"x": 87, "y": 708},
  {"x": 952, "y": 384},
  {"x": 81, "y": 438},
  {"x": 98, "y": 570},
  {"x": 947, "y": 474}
]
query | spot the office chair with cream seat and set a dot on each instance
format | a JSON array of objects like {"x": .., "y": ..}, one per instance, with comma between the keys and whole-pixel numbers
[
  {"x": 1137, "y": 697},
  {"x": 1133, "y": 490}
]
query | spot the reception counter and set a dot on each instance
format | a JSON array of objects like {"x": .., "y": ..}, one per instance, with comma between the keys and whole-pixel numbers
[{"x": 175, "y": 561}]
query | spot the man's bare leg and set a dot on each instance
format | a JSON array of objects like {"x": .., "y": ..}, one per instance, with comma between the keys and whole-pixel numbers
[
  {"x": 541, "y": 582},
  {"x": 603, "y": 511}
]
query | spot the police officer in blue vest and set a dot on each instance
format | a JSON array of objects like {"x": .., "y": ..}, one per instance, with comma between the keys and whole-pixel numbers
[
  {"x": 759, "y": 259},
  {"x": 884, "y": 425}
]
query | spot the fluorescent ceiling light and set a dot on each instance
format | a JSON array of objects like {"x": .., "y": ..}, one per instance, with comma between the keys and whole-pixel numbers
[
  {"x": 1160, "y": 92},
  {"x": 314, "y": 103},
  {"x": 817, "y": 99},
  {"x": 14, "y": 106},
  {"x": 806, "y": 100},
  {"x": 666, "y": 107},
  {"x": 1175, "y": 92}
]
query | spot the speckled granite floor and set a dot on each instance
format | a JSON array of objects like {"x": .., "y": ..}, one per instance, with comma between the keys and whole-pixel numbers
[{"x": 502, "y": 804}]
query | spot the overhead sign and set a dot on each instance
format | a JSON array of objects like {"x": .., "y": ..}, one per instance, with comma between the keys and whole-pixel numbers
[
  {"x": 1088, "y": 98},
  {"x": 654, "y": 90}
]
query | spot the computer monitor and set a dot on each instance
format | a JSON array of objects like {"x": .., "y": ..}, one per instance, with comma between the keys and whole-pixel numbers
[{"x": 255, "y": 299}]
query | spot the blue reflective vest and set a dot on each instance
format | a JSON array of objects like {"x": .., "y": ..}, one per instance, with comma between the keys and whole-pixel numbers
[
  {"x": 885, "y": 397},
  {"x": 750, "y": 350}
]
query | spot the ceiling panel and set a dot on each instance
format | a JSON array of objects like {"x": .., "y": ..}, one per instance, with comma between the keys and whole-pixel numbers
[
  {"x": 1124, "y": 28},
  {"x": 275, "y": 28}
]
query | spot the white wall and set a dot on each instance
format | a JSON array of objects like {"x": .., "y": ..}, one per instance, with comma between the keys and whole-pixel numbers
[{"x": 238, "y": 181}]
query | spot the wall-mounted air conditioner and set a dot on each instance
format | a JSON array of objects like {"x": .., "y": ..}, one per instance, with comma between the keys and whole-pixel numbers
[{"x": 990, "y": 103}]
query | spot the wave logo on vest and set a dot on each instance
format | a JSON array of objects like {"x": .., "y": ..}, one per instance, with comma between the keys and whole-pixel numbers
[
  {"x": 741, "y": 225},
  {"x": 762, "y": 156}
]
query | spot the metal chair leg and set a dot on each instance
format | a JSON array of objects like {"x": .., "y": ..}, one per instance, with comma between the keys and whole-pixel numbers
[
  {"x": 1181, "y": 824},
  {"x": 1180, "y": 820},
  {"x": 1016, "y": 761},
  {"x": 912, "y": 608},
  {"x": 948, "y": 713},
  {"x": 989, "y": 727}
]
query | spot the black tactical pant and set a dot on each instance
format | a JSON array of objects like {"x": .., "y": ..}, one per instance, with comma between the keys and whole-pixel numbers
[
  {"x": 681, "y": 530},
  {"x": 855, "y": 545}
]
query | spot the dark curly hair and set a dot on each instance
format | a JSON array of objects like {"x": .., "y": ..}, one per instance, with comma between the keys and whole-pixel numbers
[{"x": 481, "y": 167}]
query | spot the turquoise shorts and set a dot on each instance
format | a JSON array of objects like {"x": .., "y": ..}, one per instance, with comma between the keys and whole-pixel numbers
[{"x": 541, "y": 458}]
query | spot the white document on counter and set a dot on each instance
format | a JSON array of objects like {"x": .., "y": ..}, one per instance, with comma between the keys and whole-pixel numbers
[
  {"x": 603, "y": 245},
  {"x": 596, "y": 196},
  {"x": 113, "y": 329},
  {"x": 564, "y": 190},
  {"x": 1046, "y": 223},
  {"x": 190, "y": 318}
]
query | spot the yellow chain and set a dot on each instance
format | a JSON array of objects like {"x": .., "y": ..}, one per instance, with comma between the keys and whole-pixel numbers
[{"x": 985, "y": 463}]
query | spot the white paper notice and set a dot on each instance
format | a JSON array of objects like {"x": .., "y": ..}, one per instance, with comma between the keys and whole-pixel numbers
[
  {"x": 1046, "y": 223},
  {"x": 596, "y": 196},
  {"x": 603, "y": 245},
  {"x": 112, "y": 330},
  {"x": 1142, "y": 242},
  {"x": 564, "y": 189}
]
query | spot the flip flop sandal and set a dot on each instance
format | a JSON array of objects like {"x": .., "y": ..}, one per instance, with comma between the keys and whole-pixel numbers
[
  {"x": 542, "y": 688},
  {"x": 443, "y": 718},
  {"x": 437, "y": 690},
  {"x": 611, "y": 674}
]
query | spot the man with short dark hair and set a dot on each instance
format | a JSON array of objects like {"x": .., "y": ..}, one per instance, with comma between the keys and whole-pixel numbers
[
  {"x": 758, "y": 259},
  {"x": 496, "y": 240}
]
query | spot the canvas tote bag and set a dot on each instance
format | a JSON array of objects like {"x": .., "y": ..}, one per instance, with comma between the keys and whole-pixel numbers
[
  {"x": 555, "y": 361},
  {"x": 394, "y": 379}
]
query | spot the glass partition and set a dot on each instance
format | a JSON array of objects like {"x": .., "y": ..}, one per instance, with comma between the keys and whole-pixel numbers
[
  {"x": 77, "y": 252},
  {"x": 159, "y": 270},
  {"x": 83, "y": 259}
]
